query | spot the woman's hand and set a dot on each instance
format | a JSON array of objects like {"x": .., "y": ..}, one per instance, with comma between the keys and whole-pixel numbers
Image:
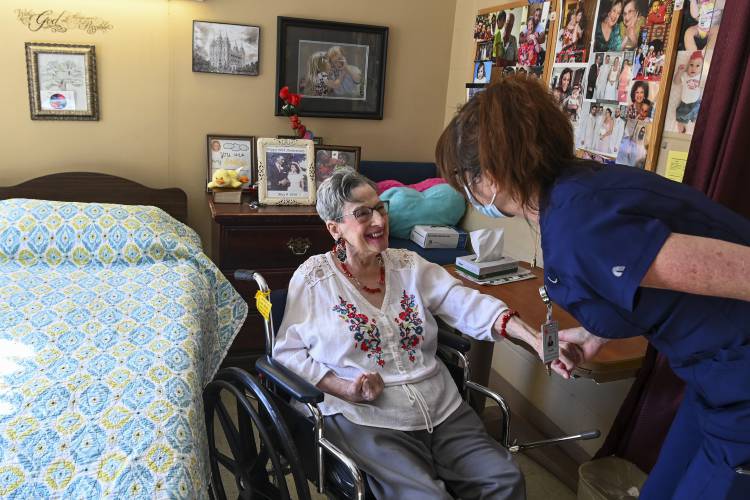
[
  {"x": 570, "y": 354},
  {"x": 587, "y": 343},
  {"x": 366, "y": 387}
]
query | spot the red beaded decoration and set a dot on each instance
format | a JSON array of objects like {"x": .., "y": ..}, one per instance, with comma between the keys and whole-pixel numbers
[
  {"x": 504, "y": 321},
  {"x": 367, "y": 289}
]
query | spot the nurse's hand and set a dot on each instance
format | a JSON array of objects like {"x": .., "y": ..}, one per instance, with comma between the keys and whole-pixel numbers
[
  {"x": 571, "y": 356},
  {"x": 588, "y": 343}
]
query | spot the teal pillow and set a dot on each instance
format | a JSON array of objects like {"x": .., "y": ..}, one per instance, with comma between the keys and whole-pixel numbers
[{"x": 439, "y": 205}]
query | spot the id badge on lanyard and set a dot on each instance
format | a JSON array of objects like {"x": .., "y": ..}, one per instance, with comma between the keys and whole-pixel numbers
[{"x": 550, "y": 339}]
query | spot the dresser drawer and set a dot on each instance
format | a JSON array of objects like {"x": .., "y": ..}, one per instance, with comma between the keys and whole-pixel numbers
[{"x": 268, "y": 247}]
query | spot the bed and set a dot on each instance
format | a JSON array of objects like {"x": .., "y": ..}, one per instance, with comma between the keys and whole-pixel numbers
[{"x": 112, "y": 320}]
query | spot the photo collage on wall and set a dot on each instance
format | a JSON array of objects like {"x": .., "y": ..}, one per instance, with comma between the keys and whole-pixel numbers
[
  {"x": 510, "y": 41},
  {"x": 609, "y": 59}
]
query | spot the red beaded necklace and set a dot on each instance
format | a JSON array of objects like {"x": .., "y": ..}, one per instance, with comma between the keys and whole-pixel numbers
[{"x": 367, "y": 289}]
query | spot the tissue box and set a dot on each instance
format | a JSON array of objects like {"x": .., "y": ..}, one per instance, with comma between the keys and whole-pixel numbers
[
  {"x": 489, "y": 269},
  {"x": 438, "y": 237}
]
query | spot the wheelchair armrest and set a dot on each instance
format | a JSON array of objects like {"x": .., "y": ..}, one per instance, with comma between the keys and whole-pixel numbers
[
  {"x": 294, "y": 385},
  {"x": 454, "y": 341}
]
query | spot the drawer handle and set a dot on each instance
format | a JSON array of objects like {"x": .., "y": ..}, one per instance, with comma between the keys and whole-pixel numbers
[{"x": 298, "y": 246}]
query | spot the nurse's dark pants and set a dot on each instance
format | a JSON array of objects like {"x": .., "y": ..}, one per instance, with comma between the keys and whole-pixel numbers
[{"x": 710, "y": 435}]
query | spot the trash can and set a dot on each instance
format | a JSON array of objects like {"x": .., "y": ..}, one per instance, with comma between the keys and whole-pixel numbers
[{"x": 609, "y": 478}]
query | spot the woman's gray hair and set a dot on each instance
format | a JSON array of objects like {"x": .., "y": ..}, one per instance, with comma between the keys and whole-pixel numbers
[{"x": 335, "y": 191}]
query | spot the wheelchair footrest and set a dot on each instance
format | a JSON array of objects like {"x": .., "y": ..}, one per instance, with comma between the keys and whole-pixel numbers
[{"x": 515, "y": 448}]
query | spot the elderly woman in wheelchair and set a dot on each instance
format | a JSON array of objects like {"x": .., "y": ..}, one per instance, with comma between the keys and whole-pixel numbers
[{"x": 360, "y": 324}]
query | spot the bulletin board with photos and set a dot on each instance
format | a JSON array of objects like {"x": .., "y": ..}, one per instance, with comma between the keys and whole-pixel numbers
[
  {"x": 624, "y": 71},
  {"x": 512, "y": 37}
]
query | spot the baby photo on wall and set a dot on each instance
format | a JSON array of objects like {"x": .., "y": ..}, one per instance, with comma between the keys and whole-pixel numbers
[
  {"x": 482, "y": 71},
  {"x": 691, "y": 69},
  {"x": 700, "y": 24}
]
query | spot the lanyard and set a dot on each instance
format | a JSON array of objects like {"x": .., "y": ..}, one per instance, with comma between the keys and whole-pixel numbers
[{"x": 549, "y": 337}]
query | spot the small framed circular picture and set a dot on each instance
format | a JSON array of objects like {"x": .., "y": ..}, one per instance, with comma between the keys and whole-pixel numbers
[{"x": 286, "y": 172}]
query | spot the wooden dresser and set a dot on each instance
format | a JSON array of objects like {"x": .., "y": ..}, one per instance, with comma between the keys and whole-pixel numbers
[{"x": 271, "y": 240}]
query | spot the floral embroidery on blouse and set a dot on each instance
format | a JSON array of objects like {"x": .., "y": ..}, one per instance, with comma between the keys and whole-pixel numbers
[
  {"x": 366, "y": 333},
  {"x": 409, "y": 325}
]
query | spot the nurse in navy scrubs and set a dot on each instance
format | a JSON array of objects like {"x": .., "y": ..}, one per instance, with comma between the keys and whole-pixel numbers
[{"x": 626, "y": 252}]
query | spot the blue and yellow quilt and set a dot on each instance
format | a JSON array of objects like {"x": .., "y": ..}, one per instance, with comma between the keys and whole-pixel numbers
[{"x": 112, "y": 320}]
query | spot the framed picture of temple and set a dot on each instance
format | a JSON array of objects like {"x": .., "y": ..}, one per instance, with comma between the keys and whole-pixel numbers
[{"x": 230, "y": 49}]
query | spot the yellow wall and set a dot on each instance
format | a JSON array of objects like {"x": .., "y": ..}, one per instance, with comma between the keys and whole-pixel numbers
[
  {"x": 130, "y": 139},
  {"x": 155, "y": 112},
  {"x": 572, "y": 405}
]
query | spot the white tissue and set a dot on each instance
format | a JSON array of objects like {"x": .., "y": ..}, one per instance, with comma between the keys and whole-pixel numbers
[{"x": 487, "y": 244}]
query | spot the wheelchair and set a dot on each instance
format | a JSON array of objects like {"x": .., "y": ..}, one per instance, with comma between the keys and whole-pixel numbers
[{"x": 271, "y": 444}]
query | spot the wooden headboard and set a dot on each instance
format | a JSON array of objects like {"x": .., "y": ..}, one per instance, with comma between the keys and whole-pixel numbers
[{"x": 99, "y": 188}]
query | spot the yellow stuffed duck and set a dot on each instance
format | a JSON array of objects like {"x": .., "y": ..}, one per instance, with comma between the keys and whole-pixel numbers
[{"x": 227, "y": 179}]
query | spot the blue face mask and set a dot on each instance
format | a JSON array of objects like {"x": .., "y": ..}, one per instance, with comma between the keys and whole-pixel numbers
[{"x": 488, "y": 210}]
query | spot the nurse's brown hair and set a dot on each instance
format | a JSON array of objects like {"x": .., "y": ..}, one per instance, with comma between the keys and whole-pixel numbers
[{"x": 515, "y": 132}]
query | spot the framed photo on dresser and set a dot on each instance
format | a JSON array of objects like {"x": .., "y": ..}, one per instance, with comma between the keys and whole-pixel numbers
[
  {"x": 286, "y": 172},
  {"x": 231, "y": 152},
  {"x": 328, "y": 159}
]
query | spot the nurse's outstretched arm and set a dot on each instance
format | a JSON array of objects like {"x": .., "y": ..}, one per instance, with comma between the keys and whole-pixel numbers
[{"x": 702, "y": 266}]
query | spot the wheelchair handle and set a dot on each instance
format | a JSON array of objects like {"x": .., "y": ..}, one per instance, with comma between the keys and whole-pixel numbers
[{"x": 250, "y": 275}]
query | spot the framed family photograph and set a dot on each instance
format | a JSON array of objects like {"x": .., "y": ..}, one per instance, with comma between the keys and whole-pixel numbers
[
  {"x": 286, "y": 172},
  {"x": 338, "y": 68},
  {"x": 318, "y": 141},
  {"x": 231, "y": 152},
  {"x": 328, "y": 159},
  {"x": 229, "y": 49},
  {"x": 62, "y": 81}
]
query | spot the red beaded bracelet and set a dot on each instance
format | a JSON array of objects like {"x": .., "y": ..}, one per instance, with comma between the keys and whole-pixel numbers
[{"x": 504, "y": 321}]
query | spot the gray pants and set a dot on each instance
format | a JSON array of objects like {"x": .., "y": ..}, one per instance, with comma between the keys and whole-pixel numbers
[{"x": 417, "y": 464}]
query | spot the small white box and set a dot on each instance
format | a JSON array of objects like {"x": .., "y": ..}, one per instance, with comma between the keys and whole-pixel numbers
[
  {"x": 481, "y": 270},
  {"x": 438, "y": 236}
]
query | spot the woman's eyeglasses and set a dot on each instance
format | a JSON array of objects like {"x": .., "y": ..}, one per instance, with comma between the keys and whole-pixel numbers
[{"x": 364, "y": 214}]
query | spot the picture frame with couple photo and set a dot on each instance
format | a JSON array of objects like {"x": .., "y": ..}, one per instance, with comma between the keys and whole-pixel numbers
[
  {"x": 338, "y": 68},
  {"x": 286, "y": 171}
]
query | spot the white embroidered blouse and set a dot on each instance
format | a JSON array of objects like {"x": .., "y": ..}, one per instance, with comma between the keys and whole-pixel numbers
[{"x": 329, "y": 326}]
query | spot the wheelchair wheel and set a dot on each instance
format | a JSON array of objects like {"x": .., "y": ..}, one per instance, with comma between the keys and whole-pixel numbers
[{"x": 260, "y": 450}]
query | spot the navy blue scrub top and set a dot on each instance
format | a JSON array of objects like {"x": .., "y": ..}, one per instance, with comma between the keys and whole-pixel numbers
[{"x": 602, "y": 229}]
